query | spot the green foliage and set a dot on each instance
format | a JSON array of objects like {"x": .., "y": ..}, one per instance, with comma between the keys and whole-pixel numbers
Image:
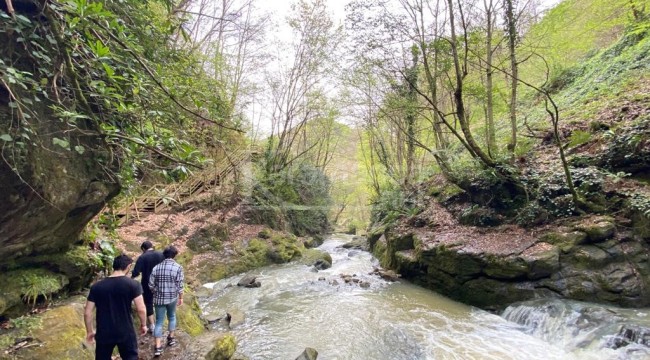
[
  {"x": 579, "y": 137},
  {"x": 393, "y": 203},
  {"x": 297, "y": 199},
  {"x": 20, "y": 327},
  {"x": 97, "y": 68},
  {"x": 641, "y": 203}
]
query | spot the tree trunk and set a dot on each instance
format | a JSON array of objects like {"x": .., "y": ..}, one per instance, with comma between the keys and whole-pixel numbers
[
  {"x": 461, "y": 114},
  {"x": 491, "y": 137},
  {"x": 512, "y": 39}
]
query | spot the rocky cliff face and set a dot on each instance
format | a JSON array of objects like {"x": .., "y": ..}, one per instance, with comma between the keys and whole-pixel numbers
[
  {"x": 56, "y": 173},
  {"x": 591, "y": 259}
]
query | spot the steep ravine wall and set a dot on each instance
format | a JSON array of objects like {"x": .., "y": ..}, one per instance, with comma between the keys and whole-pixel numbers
[{"x": 590, "y": 259}]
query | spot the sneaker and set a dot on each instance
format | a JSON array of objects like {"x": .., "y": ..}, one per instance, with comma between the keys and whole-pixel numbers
[
  {"x": 171, "y": 341},
  {"x": 158, "y": 352}
]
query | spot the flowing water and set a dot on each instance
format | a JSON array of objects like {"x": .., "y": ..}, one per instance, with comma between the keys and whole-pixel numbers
[{"x": 297, "y": 308}]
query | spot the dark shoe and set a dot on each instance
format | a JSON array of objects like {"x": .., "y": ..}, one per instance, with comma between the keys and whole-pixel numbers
[
  {"x": 158, "y": 352},
  {"x": 171, "y": 341}
]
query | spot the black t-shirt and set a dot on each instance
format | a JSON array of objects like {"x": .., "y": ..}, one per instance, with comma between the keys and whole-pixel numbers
[
  {"x": 112, "y": 297},
  {"x": 145, "y": 264}
]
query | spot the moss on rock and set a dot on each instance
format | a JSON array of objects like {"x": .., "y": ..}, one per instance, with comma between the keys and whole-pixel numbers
[
  {"x": 310, "y": 256},
  {"x": 224, "y": 348},
  {"x": 60, "y": 332},
  {"x": 566, "y": 241},
  {"x": 188, "y": 315}
]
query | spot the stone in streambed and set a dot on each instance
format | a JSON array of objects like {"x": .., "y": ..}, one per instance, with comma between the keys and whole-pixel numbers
[
  {"x": 249, "y": 281},
  {"x": 322, "y": 264},
  {"x": 308, "y": 354},
  {"x": 235, "y": 318}
]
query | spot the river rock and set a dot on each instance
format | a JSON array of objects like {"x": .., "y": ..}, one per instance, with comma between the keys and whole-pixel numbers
[
  {"x": 388, "y": 275},
  {"x": 249, "y": 281},
  {"x": 586, "y": 260},
  {"x": 235, "y": 318},
  {"x": 224, "y": 348},
  {"x": 322, "y": 264},
  {"x": 358, "y": 243},
  {"x": 308, "y": 354},
  {"x": 631, "y": 334}
]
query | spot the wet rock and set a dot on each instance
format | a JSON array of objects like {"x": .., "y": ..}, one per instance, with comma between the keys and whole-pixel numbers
[
  {"x": 311, "y": 256},
  {"x": 388, "y": 275},
  {"x": 358, "y": 242},
  {"x": 631, "y": 334},
  {"x": 364, "y": 284},
  {"x": 322, "y": 264},
  {"x": 254, "y": 284},
  {"x": 353, "y": 253},
  {"x": 235, "y": 318},
  {"x": 248, "y": 281},
  {"x": 334, "y": 283},
  {"x": 321, "y": 279},
  {"x": 308, "y": 354}
]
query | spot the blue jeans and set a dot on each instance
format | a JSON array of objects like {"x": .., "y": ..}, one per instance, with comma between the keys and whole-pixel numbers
[{"x": 161, "y": 310}]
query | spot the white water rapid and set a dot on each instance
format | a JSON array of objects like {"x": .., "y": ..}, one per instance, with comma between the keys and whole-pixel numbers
[{"x": 295, "y": 308}]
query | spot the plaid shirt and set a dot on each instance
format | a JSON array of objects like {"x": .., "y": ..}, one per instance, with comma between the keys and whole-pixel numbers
[{"x": 166, "y": 282}]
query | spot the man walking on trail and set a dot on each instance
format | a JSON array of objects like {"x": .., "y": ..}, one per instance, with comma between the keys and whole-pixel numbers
[
  {"x": 166, "y": 284},
  {"x": 145, "y": 263},
  {"x": 112, "y": 297}
]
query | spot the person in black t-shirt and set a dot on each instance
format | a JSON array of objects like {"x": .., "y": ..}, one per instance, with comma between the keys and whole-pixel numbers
[
  {"x": 112, "y": 297},
  {"x": 144, "y": 265}
]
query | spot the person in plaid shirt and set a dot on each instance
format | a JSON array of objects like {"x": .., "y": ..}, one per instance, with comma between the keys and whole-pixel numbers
[{"x": 166, "y": 284}]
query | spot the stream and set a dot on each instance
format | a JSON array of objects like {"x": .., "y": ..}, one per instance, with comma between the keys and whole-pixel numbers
[{"x": 297, "y": 307}]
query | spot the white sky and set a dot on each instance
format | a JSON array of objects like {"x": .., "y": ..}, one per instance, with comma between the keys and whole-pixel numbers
[{"x": 280, "y": 9}]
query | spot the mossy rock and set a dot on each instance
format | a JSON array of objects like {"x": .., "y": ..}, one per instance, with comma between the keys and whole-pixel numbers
[
  {"x": 61, "y": 334},
  {"x": 188, "y": 315},
  {"x": 566, "y": 241},
  {"x": 284, "y": 248},
  {"x": 598, "y": 228},
  {"x": 543, "y": 259},
  {"x": 401, "y": 242},
  {"x": 589, "y": 256},
  {"x": 78, "y": 264},
  {"x": 310, "y": 256},
  {"x": 224, "y": 348},
  {"x": 380, "y": 251},
  {"x": 209, "y": 238},
  {"x": 29, "y": 285},
  {"x": 506, "y": 267}
]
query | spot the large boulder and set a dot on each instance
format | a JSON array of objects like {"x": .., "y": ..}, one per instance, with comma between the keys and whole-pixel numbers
[
  {"x": 490, "y": 268},
  {"x": 57, "y": 172},
  {"x": 59, "y": 333}
]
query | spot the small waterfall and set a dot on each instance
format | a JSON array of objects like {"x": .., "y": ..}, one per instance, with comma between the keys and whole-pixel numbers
[{"x": 575, "y": 326}]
